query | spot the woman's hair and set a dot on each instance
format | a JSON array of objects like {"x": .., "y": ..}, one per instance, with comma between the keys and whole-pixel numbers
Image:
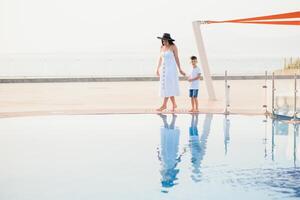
[{"x": 170, "y": 42}]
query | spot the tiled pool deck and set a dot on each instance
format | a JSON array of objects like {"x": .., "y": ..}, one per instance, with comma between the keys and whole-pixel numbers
[{"x": 22, "y": 99}]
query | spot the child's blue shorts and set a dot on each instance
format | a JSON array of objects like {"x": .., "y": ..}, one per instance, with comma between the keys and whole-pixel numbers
[
  {"x": 193, "y": 92},
  {"x": 193, "y": 131}
]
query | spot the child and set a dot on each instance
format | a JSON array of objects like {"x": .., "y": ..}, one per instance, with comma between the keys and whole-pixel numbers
[
  {"x": 195, "y": 149},
  {"x": 194, "y": 79}
]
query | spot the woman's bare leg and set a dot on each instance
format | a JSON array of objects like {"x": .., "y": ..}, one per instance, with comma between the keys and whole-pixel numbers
[
  {"x": 164, "y": 106},
  {"x": 172, "y": 125},
  {"x": 164, "y": 118},
  {"x": 173, "y": 102}
]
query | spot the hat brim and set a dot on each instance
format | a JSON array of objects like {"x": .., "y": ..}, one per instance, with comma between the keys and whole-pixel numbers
[{"x": 162, "y": 38}]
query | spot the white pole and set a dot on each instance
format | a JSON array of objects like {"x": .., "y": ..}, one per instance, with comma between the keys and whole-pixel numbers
[
  {"x": 273, "y": 94},
  {"x": 226, "y": 126},
  {"x": 273, "y": 138},
  {"x": 295, "y": 144},
  {"x": 226, "y": 94},
  {"x": 204, "y": 60},
  {"x": 295, "y": 97},
  {"x": 265, "y": 87}
]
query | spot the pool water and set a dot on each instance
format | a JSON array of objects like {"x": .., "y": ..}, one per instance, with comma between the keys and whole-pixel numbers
[{"x": 148, "y": 157}]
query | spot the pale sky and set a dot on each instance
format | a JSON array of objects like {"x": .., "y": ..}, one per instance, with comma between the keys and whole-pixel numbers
[{"x": 63, "y": 26}]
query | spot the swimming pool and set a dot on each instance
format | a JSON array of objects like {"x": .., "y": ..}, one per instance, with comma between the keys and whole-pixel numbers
[{"x": 148, "y": 157}]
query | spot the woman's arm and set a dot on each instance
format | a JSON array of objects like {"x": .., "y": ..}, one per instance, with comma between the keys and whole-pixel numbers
[
  {"x": 158, "y": 154},
  {"x": 175, "y": 51},
  {"x": 159, "y": 63}
]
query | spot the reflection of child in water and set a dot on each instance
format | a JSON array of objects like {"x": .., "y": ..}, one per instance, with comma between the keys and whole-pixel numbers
[
  {"x": 169, "y": 151},
  {"x": 195, "y": 147},
  {"x": 198, "y": 145}
]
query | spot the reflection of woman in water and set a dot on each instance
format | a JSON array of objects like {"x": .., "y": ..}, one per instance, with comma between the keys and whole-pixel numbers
[{"x": 168, "y": 155}]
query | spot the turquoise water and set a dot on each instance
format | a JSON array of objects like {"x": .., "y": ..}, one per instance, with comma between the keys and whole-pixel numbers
[{"x": 148, "y": 157}]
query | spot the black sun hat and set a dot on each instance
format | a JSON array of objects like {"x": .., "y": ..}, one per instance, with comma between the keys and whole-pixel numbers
[{"x": 166, "y": 36}]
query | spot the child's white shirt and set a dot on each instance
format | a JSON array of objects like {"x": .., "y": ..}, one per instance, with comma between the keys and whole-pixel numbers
[{"x": 194, "y": 73}]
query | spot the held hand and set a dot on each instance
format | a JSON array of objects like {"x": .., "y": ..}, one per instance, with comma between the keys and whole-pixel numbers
[
  {"x": 190, "y": 79},
  {"x": 157, "y": 73},
  {"x": 182, "y": 72}
]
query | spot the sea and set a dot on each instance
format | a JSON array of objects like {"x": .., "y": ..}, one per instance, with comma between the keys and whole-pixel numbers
[{"x": 124, "y": 65}]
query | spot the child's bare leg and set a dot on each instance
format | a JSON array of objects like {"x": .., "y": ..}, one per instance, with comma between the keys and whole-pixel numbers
[
  {"x": 193, "y": 106},
  {"x": 164, "y": 106},
  {"x": 196, "y": 104},
  {"x": 173, "y": 102}
]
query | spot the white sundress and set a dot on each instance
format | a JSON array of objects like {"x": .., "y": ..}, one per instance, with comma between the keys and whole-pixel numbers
[
  {"x": 169, "y": 81},
  {"x": 169, "y": 139},
  {"x": 169, "y": 154}
]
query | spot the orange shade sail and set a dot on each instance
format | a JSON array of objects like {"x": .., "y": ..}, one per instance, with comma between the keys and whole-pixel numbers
[{"x": 268, "y": 19}]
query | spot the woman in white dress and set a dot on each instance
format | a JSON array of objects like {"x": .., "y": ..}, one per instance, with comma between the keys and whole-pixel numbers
[{"x": 167, "y": 71}]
